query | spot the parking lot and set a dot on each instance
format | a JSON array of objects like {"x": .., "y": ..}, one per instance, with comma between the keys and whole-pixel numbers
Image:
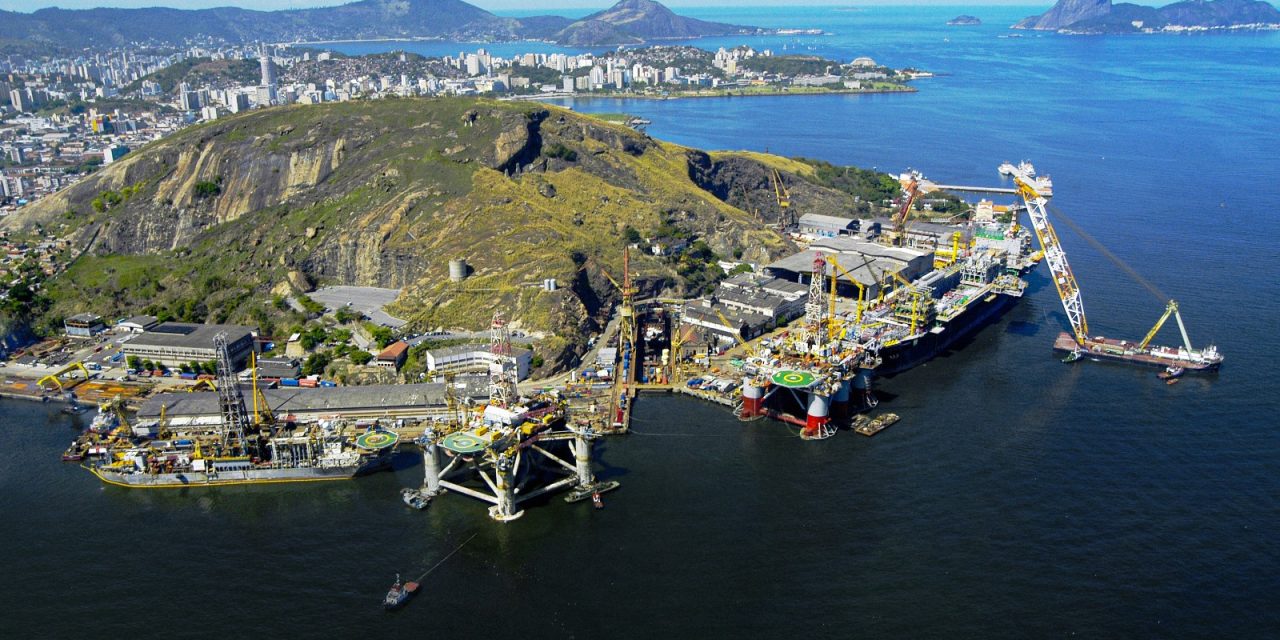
[{"x": 367, "y": 300}]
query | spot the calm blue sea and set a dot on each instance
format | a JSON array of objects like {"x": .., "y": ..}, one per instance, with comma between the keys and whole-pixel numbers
[{"x": 1019, "y": 497}]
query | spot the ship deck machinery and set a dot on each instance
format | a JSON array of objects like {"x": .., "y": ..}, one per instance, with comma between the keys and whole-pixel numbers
[{"x": 827, "y": 364}]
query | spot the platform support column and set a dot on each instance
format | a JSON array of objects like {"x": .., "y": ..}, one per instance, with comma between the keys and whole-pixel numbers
[
  {"x": 430, "y": 464},
  {"x": 818, "y": 415},
  {"x": 504, "y": 475}
]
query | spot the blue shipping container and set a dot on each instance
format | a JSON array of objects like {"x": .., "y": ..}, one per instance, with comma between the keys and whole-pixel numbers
[{"x": 288, "y": 382}]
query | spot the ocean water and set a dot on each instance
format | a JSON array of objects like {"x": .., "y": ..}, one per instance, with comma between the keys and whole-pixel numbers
[{"x": 1018, "y": 497}]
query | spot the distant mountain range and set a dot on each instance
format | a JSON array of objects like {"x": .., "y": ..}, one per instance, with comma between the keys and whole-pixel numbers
[
  {"x": 628, "y": 22},
  {"x": 1101, "y": 16}
]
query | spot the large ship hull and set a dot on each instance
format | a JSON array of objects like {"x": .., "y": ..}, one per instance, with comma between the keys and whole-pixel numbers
[
  {"x": 912, "y": 353},
  {"x": 136, "y": 479}
]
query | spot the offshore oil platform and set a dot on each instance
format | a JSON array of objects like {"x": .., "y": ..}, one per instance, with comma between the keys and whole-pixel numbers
[{"x": 508, "y": 451}]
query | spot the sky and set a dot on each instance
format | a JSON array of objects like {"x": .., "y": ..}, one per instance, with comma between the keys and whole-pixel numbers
[{"x": 492, "y": 5}]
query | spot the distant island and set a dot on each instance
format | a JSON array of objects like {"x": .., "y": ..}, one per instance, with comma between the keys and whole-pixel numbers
[
  {"x": 963, "y": 21},
  {"x": 1101, "y": 17},
  {"x": 627, "y": 22}
]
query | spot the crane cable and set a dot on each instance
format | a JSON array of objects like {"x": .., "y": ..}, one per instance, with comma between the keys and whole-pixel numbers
[
  {"x": 437, "y": 565},
  {"x": 1137, "y": 277}
]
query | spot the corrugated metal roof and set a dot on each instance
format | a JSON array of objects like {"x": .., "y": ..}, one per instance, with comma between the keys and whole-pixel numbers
[{"x": 287, "y": 400}]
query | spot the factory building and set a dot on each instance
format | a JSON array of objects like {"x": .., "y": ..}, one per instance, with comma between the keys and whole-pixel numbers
[
  {"x": 83, "y": 325},
  {"x": 785, "y": 289},
  {"x": 778, "y": 309},
  {"x": 824, "y": 226},
  {"x": 870, "y": 264},
  {"x": 742, "y": 324},
  {"x": 382, "y": 401},
  {"x": 476, "y": 357},
  {"x": 177, "y": 343},
  {"x": 137, "y": 324},
  {"x": 393, "y": 356}
]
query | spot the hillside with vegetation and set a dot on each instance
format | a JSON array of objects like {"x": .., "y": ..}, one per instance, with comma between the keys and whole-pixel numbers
[{"x": 221, "y": 221}]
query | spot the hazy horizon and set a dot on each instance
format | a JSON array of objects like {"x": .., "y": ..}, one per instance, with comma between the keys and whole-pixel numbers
[{"x": 27, "y": 6}]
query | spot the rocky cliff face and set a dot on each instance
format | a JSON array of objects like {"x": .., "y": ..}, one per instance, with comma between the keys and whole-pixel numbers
[
  {"x": 385, "y": 193},
  {"x": 1066, "y": 13}
]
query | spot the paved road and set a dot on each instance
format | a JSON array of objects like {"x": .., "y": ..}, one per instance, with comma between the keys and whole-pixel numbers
[{"x": 367, "y": 300}]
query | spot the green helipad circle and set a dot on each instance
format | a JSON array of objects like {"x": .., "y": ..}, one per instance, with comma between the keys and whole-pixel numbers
[
  {"x": 377, "y": 440},
  {"x": 793, "y": 379},
  {"x": 463, "y": 443}
]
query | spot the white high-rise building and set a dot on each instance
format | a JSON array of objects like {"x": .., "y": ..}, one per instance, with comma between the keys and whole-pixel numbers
[{"x": 268, "y": 68}]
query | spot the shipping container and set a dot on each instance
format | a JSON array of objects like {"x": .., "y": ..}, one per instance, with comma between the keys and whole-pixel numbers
[
  {"x": 288, "y": 382},
  {"x": 308, "y": 383}
]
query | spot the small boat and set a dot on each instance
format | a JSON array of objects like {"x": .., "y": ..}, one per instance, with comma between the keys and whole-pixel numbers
[
  {"x": 1171, "y": 381},
  {"x": 1171, "y": 373},
  {"x": 73, "y": 453},
  {"x": 1073, "y": 356},
  {"x": 399, "y": 594},
  {"x": 415, "y": 499},
  {"x": 596, "y": 501}
]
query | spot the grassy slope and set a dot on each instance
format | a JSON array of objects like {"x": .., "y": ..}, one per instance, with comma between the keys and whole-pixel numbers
[{"x": 414, "y": 190}]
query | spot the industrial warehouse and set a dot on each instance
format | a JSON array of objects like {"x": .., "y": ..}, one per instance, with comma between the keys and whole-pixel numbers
[{"x": 177, "y": 343}]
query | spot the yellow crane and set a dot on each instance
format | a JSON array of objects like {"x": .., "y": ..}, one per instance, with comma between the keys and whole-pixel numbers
[
  {"x": 261, "y": 410},
  {"x": 1170, "y": 309},
  {"x": 677, "y": 343},
  {"x": 746, "y": 348},
  {"x": 54, "y": 377},
  {"x": 780, "y": 191},
  {"x": 897, "y": 237},
  {"x": 862, "y": 289}
]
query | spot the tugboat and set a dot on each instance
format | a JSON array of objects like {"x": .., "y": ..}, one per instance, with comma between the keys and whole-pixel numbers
[
  {"x": 1171, "y": 373},
  {"x": 74, "y": 453},
  {"x": 596, "y": 501},
  {"x": 399, "y": 594},
  {"x": 1073, "y": 356}
]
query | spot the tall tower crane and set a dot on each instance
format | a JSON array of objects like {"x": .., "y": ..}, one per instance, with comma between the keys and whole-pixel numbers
[
  {"x": 815, "y": 308},
  {"x": 784, "y": 198},
  {"x": 898, "y": 235},
  {"x": 1063, "y": 278}
]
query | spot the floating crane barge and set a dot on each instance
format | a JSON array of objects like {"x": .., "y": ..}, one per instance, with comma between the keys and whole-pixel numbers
[{"x": 1078, "y": 342}]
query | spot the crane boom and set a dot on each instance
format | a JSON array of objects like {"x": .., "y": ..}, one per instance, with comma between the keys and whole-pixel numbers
[
  {"x": 1169, "y": 310},
  {"x": 1063, "y": 278},
  {"x": 780, "y": 191},
  {"x": 899, "y": 235},
  {"x": 862, "y": 289},
  {"x": 746, "y": 348}
]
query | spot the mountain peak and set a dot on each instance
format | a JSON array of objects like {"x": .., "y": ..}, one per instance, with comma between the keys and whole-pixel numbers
[
  {"x": 1101, "y": 16},
  {"x": 633, "y": 21}
]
